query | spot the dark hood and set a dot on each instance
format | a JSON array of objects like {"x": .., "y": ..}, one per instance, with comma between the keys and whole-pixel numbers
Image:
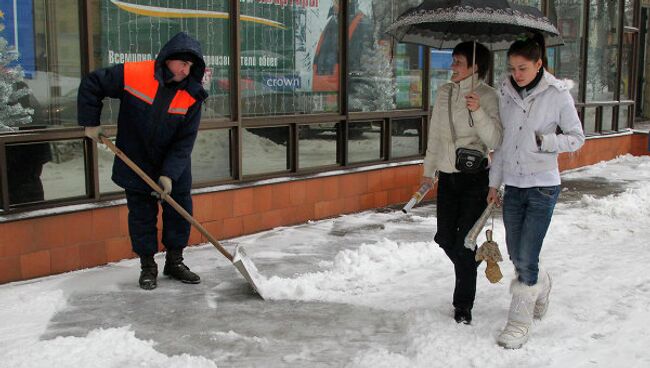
[{"x": 182, "y": 42}]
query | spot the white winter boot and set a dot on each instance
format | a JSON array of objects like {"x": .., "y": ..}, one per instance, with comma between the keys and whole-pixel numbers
[
  {"x": 520, "y": 317},
  {"x": 541, "y": 305}
]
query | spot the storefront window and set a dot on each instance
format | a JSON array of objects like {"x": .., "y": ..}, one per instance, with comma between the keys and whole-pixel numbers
[
  {"x": 405, "y": 137},
  {"x": 383, "y": 75},
  {"x": 45, "y": 36},
  {"x": 211, "y": 155},
  {"x": 534, "y": 3},
  {"x": 440, "y": 71},
  {"x": 564, "y": 61},
  {"x": 627, "y": 64},
  {"x": 265, "y": 150},
  {"x": 135, "y": 31},
  {"x": 602, "y": 53},
  {"x": 623, "y": 112},
  {"x": 105, "y": 158},
  {"x": 607, "y": 118},
  {"x": 500, "y": 66},
  {"x": 629, "y": 13},
  {"x": 289, "y": 57},
  {"x": 45, "y": 171},
  {"x": 589, "y": 120},
  {"x": 364, "y": 143},
  {"x": 317, "y": 145}
]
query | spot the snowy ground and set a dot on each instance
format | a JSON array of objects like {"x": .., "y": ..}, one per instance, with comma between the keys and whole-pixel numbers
[{"x": 364, "y": 290}]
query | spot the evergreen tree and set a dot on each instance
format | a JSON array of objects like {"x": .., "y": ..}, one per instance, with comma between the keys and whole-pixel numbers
[
  {"x": 12, "y": 89},
  {"x": 374, "y": 87}
]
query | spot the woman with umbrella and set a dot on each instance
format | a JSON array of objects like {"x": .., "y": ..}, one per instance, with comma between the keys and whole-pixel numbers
[
  {"x": 533, "y": 105},
  {"x": 465, "y": 115}
]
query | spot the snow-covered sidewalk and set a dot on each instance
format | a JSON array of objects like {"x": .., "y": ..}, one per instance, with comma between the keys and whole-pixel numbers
[{"x": 363, "y": 290}]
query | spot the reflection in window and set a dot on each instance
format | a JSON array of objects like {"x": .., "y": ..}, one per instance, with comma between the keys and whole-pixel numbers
[
  {"x": 134, "y": 33},
  {"x": 211, "y": 155},
  {"x": 25, "y": 169},
  {"x": 627, "y": 65},
  {"x": 607, "y": 118},
  {"x": 534, "y": 3},
  {"x": 383, "y": 75},
  {"x": 289, "y": 57},
  {"x": 564, "y": 61},
  {"x": 589, "y": 121},
  {"x": 623, "y": 111},
  {"x": 405, "y": 137},
  {"x": 265, "y": 150},
  {"x": 629, "y": 13},
  {"x": 47, "y": 35},
  {"x": 603, "y": 50},
  {"x": 500, "y": 66},
  {"x": 45, "y": 171},
  {"x": 105, "y": 158},
  {"x": 364, "y": 143},
  {"x": 440, "y": 71},
  {"x": 317, "y": 145}
]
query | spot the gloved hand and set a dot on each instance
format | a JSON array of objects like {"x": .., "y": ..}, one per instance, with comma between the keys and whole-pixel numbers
[
  {"x": 166, "y": 184},
  {"x": 93, "y": 132}
]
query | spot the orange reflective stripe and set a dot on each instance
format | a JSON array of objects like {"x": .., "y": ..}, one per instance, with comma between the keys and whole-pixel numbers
[
  {"x": 139, "y": 80},
  {"x": 354, "y": 24},
  {"x": 181, "y": 103}
]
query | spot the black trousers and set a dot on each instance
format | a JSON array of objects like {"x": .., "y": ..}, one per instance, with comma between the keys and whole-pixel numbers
[
  {"x": 461, "y": 200},
  {"x": 143, "y": 216}
]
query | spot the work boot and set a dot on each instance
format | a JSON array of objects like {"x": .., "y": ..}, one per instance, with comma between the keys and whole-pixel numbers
[
  {"x": 520, "y": 317},
  {"x": 541, "y": 305},
  {"x": 176, "y": 269},
  {"x": 148, "y": 273},
  {"x": 463, "y": 315}
]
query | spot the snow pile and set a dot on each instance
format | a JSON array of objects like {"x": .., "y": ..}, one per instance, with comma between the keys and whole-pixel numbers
[
  {"x": 355, "y": 272},
  {"x": 113, "y": 347}
]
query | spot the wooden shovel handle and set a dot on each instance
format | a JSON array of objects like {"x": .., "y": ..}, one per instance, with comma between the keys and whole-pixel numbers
[{"x": 167, "y": 198}]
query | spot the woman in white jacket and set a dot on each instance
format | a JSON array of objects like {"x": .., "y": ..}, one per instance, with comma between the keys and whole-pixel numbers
[
  {"x": 533, "y": 105},
  {"x": 462, "y": 196}
]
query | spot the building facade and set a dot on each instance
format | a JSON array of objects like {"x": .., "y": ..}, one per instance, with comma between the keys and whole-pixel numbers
[{"x": 313, "y": 111}]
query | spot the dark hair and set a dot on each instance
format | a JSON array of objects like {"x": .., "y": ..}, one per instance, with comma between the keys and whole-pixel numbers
[
  {"x": 532, "y": 48},
  {"x": 466, "y": 49}
]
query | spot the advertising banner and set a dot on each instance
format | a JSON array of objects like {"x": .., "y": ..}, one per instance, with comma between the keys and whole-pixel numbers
[
  {"x": 17, "y": 28},
  {"x": 279, "y": 40}
]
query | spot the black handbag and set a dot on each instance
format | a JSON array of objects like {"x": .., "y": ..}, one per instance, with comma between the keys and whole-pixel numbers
[{"x": 468, "y": 160}]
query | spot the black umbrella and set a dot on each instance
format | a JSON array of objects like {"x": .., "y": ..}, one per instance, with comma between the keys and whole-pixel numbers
[{"x": 443, "y": 24}]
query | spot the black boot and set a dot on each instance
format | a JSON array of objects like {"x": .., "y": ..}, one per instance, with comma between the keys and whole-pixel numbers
[
  {"x": 176, "y": 269},
  {"x": 463, "y": 315},
  {"x": 148, "y": 273}
]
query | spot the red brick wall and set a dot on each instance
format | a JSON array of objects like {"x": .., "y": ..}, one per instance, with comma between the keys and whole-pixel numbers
[{"x": 55, "y": 244}]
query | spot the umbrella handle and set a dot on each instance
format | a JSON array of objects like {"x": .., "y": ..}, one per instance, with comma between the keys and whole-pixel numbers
[{"x": 167, "y": 198}]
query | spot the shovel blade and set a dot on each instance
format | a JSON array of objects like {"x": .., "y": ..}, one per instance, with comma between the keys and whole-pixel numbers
[{"x": 247, "y": 269}]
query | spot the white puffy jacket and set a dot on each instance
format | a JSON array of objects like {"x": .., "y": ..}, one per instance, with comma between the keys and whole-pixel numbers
[
  {"x": 519, "y": 161},
  {"x": 484, "y": 135}
]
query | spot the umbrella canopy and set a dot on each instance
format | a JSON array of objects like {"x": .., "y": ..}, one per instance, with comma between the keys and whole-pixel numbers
[{"x": 443, "y": 24}]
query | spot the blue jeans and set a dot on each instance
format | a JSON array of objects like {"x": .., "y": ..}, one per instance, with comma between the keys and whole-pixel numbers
[{"x": 527, "y": 214}]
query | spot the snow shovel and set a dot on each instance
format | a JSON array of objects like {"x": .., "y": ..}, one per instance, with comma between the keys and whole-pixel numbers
[{"x": 243, "y": 264}]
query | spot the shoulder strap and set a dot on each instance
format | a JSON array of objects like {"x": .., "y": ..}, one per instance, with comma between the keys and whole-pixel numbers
[{"x": 451, "y": 118}]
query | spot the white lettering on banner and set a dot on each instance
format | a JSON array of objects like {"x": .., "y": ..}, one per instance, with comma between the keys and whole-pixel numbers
[
  {"x": 211, "y": 60},
  {"x": 247, "y": 61},
  {"x": 121, "y": 57},
  {"x": 285, "y": 3},
  {"x": 283, "y": 82},
  {"x": 268, "y": 61},
  {"x": 217, "y": 60}
]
